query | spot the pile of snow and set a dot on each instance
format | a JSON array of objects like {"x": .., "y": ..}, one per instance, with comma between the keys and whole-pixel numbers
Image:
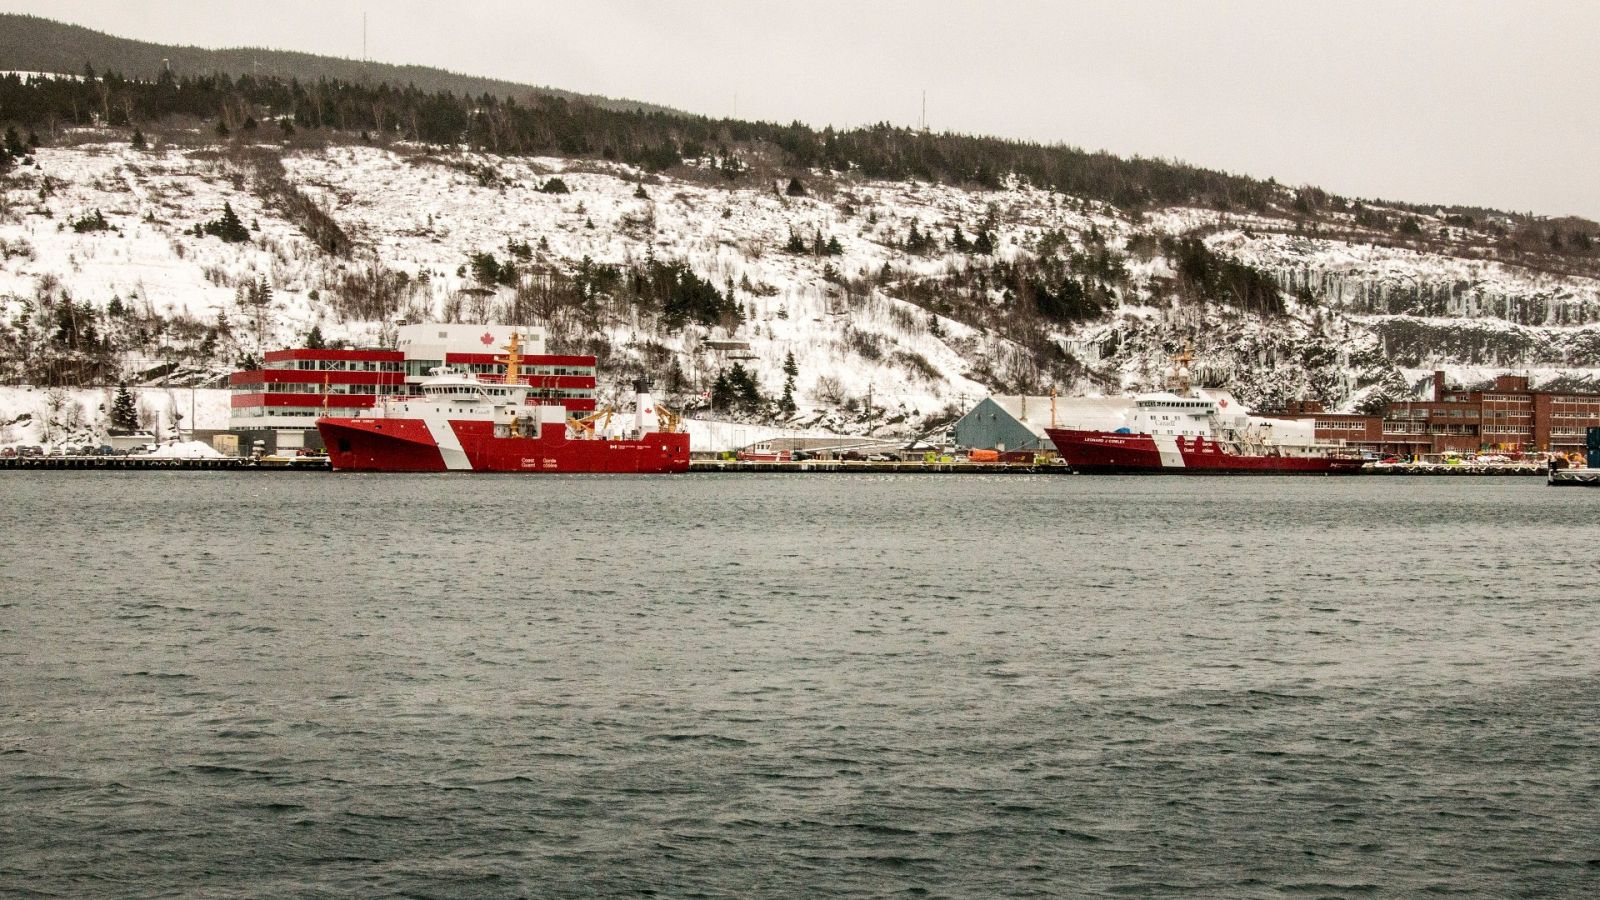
[
  {"x": 186, "y": 450},
  {"x": 713, "y": 436}
]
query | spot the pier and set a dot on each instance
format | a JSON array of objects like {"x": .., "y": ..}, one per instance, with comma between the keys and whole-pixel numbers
[
  {"x": 807, "y": 467},
  {"x": 1574, "y": 478},
  {"x": 1462, "y": 470},
  {"x": 169, "y": 464},
  {"x": 880, "y": 467}
]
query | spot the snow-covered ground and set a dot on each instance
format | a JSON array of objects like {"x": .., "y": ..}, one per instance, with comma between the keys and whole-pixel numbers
[
  {"x": 55, "y": 416},
  {"x": 425, "y": 214}
]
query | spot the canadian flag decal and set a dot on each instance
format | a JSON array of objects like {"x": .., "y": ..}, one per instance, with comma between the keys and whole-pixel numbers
[{"x": 487, "y": 338}]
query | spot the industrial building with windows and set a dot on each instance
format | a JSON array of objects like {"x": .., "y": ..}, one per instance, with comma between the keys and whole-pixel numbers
[
  {"x": 1510, "y": 416},
  {"x": 279, "y": 403}
]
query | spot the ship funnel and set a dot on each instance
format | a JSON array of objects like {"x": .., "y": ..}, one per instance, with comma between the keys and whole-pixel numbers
[{"x": 644, "y": 410}]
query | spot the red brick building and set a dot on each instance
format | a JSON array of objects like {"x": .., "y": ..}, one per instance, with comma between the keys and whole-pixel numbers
[{"x": 1510, "y": 416}]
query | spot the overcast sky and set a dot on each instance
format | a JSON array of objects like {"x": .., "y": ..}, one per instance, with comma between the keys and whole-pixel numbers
[{"x": 1492, "y": 103}]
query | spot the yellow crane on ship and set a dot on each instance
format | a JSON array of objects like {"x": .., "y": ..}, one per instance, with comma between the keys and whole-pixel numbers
[{"x": 583, "y": 427}]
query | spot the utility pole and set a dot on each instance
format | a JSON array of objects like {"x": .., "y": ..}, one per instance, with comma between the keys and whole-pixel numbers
[
  {"x": 924, "y": 122},
  {"x": 363, "y": 38}
]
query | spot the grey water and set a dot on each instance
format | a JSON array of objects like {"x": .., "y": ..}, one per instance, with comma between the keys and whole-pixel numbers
[{"x": 263, "y": 685}]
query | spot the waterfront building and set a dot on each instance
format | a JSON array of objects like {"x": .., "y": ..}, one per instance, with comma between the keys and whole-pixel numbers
[
  {"x": 279, "y": 403},
  {"x": 1509, "y": 416}
]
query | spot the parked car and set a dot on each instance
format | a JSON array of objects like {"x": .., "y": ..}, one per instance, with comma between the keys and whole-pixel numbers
[
  {"x": 32, "y": 450},
  {"x": 8, "y": 453}
]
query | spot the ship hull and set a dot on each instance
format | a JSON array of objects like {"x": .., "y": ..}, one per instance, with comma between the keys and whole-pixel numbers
[
  {"x": 1120, "y": 453},
  {"x": 415, "y": 445}
]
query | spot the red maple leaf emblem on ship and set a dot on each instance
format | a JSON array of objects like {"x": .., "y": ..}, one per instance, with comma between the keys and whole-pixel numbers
[{"x": 488, "y": 338}]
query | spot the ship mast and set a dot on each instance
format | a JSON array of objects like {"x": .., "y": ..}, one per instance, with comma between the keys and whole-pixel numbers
[
  {"x": 512, "y": 359},
  {"x": 1180, "y": 369}
]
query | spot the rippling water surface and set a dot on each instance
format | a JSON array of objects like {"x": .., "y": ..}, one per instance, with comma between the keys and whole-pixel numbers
[{"x": 283, "y": 684}]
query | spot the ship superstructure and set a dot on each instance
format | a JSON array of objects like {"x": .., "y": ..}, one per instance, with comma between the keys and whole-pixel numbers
[
  {"x": 1187, "y": 430},
  {"x": 462, "y": 421}
]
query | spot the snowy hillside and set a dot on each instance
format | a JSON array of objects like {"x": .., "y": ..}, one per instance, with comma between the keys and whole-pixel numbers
[{"x": 900, "y": 303}]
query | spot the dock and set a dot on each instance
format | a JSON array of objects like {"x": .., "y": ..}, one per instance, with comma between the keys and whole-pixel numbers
[
  {"x": 1574, "y": 478},
  {"x": 807, "y": 467},
  {"x": 169, "y": 464},
  {"x": 878, "y": 467},
  {"x": 1461, "y": 470}
]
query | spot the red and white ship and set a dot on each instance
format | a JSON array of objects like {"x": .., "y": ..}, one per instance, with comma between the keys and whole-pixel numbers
[
  {"x": 1200, "y": 432},
  {"x": 470, "y": 423}
]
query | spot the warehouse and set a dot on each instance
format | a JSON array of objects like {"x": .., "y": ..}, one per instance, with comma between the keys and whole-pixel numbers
[{"x": 1018, "y": 422}]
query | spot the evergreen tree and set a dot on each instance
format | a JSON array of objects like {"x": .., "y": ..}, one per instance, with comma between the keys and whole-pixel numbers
[
  {"x": 639, "y": 192},
  {"x": 228, "y": 227},
  {"x": 286, "y": 125},
  {"x": 745, "y": 392},
  {"x": 786, "y": 402},
  {"x": 14, "y": 143},
  {"x": 33, "y": 141},
  {"x": 124, "y": 412},
  {"x": 249, "y": 123},
  {"x": 916, "y": 241},
  {"x": 790, "y": 370},
  {"x": 93, "y": 222},
  {"x": 795, "y": 245},
  {"x": 795, "y": 189},
  {"x": 115, "y": 308},
  {"x": 138, "y": 140},
  {"x": 721, "y": 392},
  {"x": 833, "y": 248},
  {"x": 984, "y": 244},
  {"x": 222, "y": 129},
  {"x": 958, "y": 241},
  {"x": 314, "y": 339}
]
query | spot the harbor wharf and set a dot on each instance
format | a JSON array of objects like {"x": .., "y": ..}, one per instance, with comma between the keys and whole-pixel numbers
[
  {"x": 168, "y": 464},
  {"x": 807, "y": 467}
]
